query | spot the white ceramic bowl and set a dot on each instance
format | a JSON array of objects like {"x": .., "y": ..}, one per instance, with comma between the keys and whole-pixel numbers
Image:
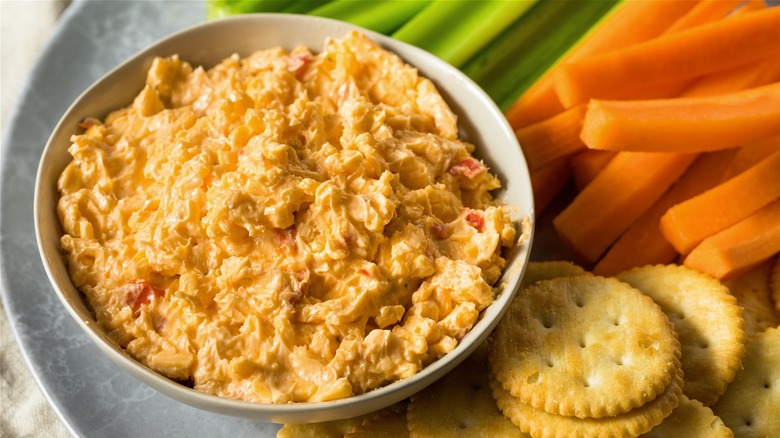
[{"x": 479, "y": 120}]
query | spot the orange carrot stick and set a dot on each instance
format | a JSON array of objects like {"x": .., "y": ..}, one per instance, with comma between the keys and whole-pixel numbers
[
  {"x": 547, "y": 182},
  {"x": 752, "y": 5},
  {"x": 622, "y": 192},
  {"x": 586, "y": 165},
  {"x": 632, "y": 22},
  {"x": 704, "y": 12},
  {"x": 674, "y": 57},
  {"x": 740, "y": 247},
  {"x": 706, "y": 172},
  {"x": 687, "y": 224},
  {"x": 690, "y": 124},
  {"x": 749, "y": 155},
  {"x": 552, "y": 139},
  {"x": 737, "y": 78},
  {"x": 643, "y": 243}
]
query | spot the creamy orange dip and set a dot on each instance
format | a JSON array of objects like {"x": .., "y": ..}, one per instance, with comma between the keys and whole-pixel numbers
[{"x": 287, "y": 227}]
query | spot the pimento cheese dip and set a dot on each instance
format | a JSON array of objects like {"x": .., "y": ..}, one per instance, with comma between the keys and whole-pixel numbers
[{"x": 286, "y": 227}]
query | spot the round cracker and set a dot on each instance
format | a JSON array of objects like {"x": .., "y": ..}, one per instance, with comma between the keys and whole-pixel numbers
[
  {"x": 584, "y": 346},
  {"x": 326, "y": 429},
  {"x": 751, "y": 290},
  {"x": 690, "y": 419},
  {"x": 538, "y": 271},
  {"x": 708, "y": 322},
  {"x": 387, "y": 424},
  {"x": 337, "y": 428},
  {"x": 460, "y": 404},
  {"x": 751, "y": 403},
  {"x": 541, "y": 424}
]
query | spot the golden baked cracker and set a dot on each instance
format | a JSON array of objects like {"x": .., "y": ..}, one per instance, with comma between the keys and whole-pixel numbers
[
  {"x": 585, "y": 346},
  {"x": 460, "y": 404},
  {"x": 389, "y": 424},
  {"x": 774, "y": 282},
  {"x": 538, "y": 271},
  {"x": 708, "y": 322},
  {"x": 751, "y": 404},
  {"x": 337, "y": 428},
  {"x": 752, "y": 292},
  {"x": 690, "y": 419},
  {"x": 541, "y": 424},
  {"x": 326, "y": 429}
]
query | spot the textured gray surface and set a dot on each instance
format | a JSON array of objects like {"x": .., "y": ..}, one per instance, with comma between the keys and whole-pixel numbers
[{"x": 93, "y": 396}]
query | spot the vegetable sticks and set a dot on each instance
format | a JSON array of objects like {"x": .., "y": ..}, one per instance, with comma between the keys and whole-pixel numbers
[
  {"x": 751, "y": 154},
  {"x": 686, "y": 124},
  {"x": 383, "y": 16},
  {"x": 547, "y": 182},
  {"x": 630, "y": 23},
  {"x": 741, "y": 77},
  {"x": 224, "y": 8},
  {"x": 587, "y": 164},
  {"x": 552, "y": 139},
  {"x": 643, "y": 243},
  {"x": 457, "y": 30},
  {"x": 705, "y": 12},
  {"x": 686, "y": 224},
  {"x": 619, "y": 195},
  {"x": 738, "y": 248},
  {"x": 523, "y": 65},
  {"x": 677, "y": 56}
]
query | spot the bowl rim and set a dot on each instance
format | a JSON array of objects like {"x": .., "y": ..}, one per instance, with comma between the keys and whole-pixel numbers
[{"x": 291, "y": 412}]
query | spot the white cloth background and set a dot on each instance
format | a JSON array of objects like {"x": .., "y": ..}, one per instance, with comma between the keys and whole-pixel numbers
[{"x": 24, "y": 27}]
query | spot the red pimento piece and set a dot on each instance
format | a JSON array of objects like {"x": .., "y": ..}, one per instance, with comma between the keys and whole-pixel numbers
[
  {"x": 140, "y": 293},
  {"x": 89, "y": 122},
  {"x": 298, "y": 63},
  {"x": 469, "y": 168},
  {"x": 476, "y": 220}
]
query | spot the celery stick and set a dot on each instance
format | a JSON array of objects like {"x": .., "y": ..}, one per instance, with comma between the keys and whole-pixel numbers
[
  {"x": 304, "y": 6},
  {"x": 516, "y": 40},
  {"x": 383, "y": 16},
  {"x": 456, "y": 30},
  {"x": 520, "y": 55},
  {"x": 224, "y": 8}
]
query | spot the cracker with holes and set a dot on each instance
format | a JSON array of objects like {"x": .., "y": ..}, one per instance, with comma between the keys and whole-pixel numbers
[
  {"x": 326, "y": 429},
  {"x": 708, "y": 322},
  {"x": 460, "y": 404},
  {"x": 751, "y": 290},
  {"x": 338, "y": 428},
  {"x": 538, "y": 271},
  {"x": 751, "y": 404},
  {"x": 388, "y": 423},
  {"x": 541, "y": 424},
  {"x": 690, "y": 419},
  {"x": 584, "y": 346}
]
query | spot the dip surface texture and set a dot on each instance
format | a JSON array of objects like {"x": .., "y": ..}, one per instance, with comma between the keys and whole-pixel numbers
[{"x": 286, "y": 227}]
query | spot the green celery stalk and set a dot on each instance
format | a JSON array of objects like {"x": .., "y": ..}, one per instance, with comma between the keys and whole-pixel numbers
[
  {"x": 456, "y": 30},
  {"x": 304, "y": 6},
  {"x": 525, "y": 51},
  {"x": 383, "y": 16},
  {"x": 224, "y": 8}
]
